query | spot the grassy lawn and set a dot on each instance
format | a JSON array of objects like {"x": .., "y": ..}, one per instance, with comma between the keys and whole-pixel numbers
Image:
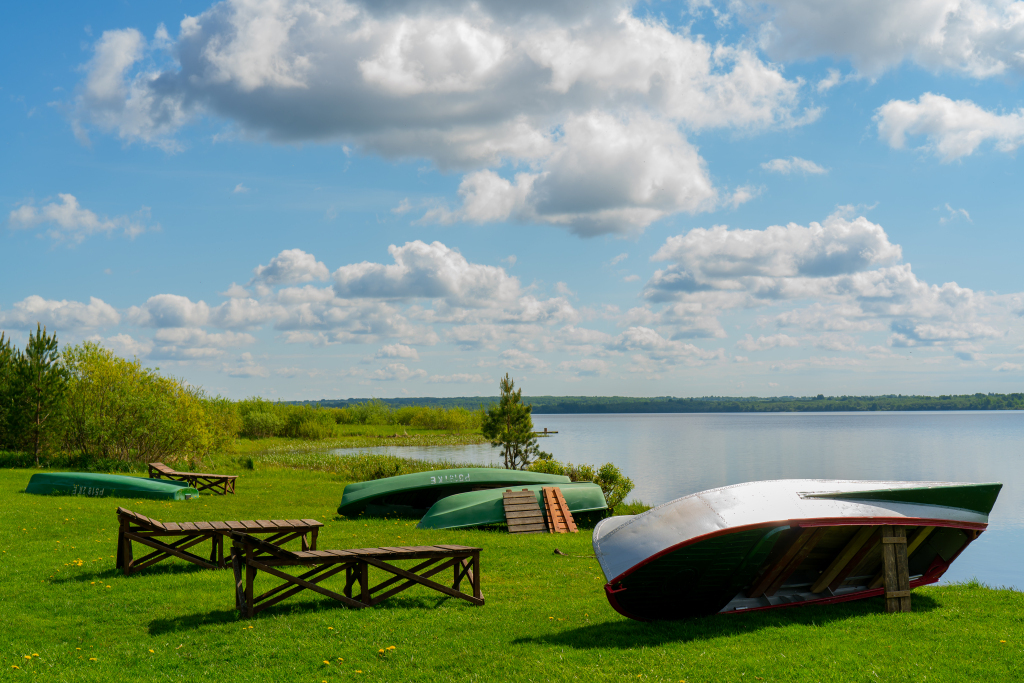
[{"x": 546, "y": 617}]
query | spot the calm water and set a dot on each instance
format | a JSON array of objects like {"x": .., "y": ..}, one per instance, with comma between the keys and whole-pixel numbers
[{"x": 669, "y": 456}]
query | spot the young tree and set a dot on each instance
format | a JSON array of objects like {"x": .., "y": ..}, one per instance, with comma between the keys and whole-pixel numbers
[
  {"x": 40, "y": 382},
  {"x": 509, "y": 425},
  {"x": 8, "y": 364}
]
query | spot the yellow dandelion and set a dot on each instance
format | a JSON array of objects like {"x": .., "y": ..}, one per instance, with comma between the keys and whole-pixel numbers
[
  {"x": 78, "y": 648},
  {"x": 380, "y": 652},
  {"x": 28, "y": 656},
  {"x": 15, "y": 666},
  {"x": 1002, "y": 641},
  {"x": 392, "y": 647},
  {"x": 330, "y": 628},
  {"x": 359, "y": 671},
  {"x": 92, "y": 659},
  {"x": 550, "y": 618},
  {"x": 36, "y": 654},
  {"x": 326, "y": 662},
  {"x": 340, "y": 659},
  {"x": 150, "y": 650}
]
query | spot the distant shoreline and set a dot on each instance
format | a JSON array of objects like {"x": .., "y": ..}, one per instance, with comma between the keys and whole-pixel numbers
[{"x": 563, "y": 405}]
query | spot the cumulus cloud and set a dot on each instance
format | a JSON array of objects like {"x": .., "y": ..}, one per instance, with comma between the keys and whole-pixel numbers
[
  {"x": 61, "y": 315},
  {"x": 976, "y": 38},
  {"x": 170, "y": 310},
  {"x": 519, "y": 360},
  {"x": 581, "y": 97},
  {"x": 426, "y": 271},
  {"x": 395, "y": 372},
  {"x": 290, "y": 267},
  {"x": 793, "y": 165},
  {"x": 953, "y": 128},
  {"x": 397, "y": 351},
  {"x": 605, "y": 175},
  {"x": 69, "y": 222},
  {"x": 840, "y": 276}
]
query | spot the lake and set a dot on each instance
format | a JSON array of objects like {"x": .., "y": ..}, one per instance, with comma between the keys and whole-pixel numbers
[{"x": 672, "y": 455}]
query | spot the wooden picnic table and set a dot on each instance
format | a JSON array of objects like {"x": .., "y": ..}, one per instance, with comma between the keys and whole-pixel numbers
[
  {"x": 200, "y": 481},
  {"x": 136, "y": 528},
  {"x": 253, "y": 555}
]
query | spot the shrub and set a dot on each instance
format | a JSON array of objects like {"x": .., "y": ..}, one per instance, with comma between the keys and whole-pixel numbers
[
  {"x": 259, "y": 424},
  {"x": 614, "y": 486}
]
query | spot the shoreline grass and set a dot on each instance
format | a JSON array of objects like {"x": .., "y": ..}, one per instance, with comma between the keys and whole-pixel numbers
[{"x": 546, "y": 617}]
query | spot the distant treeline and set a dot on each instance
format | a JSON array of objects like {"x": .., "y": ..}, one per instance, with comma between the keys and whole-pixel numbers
[{"x": 554, "y": 405}]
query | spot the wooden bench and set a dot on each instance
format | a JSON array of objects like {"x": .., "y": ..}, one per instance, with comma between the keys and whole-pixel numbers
[
  {"x": 254, "y": 555},
  {"x": 173, "y": 539},
  {"x": 218, "y": 483}
]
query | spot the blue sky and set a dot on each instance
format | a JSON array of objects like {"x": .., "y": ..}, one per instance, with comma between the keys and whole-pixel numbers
[{"x": 329, "y": 200}]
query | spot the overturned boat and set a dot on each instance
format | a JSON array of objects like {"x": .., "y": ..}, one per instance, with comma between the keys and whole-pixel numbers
[
  {"x": 769, "y": 544},
  {"x": 479, "y": 508},
  {"x": 411, "y": 495},
  {"x": 108, "y": 485}
]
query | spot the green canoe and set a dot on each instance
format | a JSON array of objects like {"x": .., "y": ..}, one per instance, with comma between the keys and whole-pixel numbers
[
  {"x": 411, "y": 495},
  {"x": 103, "y": 485},
  {"x": 478, "y": 508}
]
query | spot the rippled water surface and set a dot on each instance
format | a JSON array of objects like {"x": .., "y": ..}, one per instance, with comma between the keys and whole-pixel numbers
[{"x": 672, "y": 455}]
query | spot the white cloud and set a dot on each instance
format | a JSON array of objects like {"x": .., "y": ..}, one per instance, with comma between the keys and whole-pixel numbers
[
  {"x": 395, "y": 372},
  {"x": 240, "y": 189},
  {"x": 70, "y": 222},
  {"x": 426, "y": 271},
  {"x": 290, "y": 267},
  {"x": 169, "y": 310},
  {"x": 656, "y": 347},
  {"x": 558, "y": 91},
  {"x": 631, "y": 278},
  {"x": 604, "y": 175},
  {"x": 954, "y": 214},
  {"x": 519, "y": 360},
  {"x": 1008, "y": 367},
  {"x": 61, "y": 315},
  {"x": 618, "y": 259},
  {"x": 125, "y": 345},
  {"x": 833, "y": 79},
  {"x": 793, "y": 165},
  {"x": 397, "y": 351},
  {"x": 976, "y": 38},
  {"x": 953, "y": 128}
]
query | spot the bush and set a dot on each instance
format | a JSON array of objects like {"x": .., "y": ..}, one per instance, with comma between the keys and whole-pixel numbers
[
  {"x": 614, "y": 486},
  {"x": 117, "y": 410},
  {"x": 260, "y": 424},
  {"x": 633, "y": 507}
]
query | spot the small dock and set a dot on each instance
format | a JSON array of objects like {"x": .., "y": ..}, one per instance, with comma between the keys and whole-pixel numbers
[{"x": 544, "y": 433}]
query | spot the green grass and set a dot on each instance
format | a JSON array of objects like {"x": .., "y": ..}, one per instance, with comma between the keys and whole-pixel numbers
[{"x": 546, "y": 616}]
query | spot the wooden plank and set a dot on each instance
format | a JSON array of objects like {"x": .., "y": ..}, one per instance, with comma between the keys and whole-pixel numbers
[
  {"x": 559, "y": 519},
  {"x": 797, "y": 559},
  {"x": 566, "y": 513},
  {"x": 773, "y": 571},
  {"x": 848, "y": 552},
  {"x": 522, "y": 513},
  {"x": 852, "y": 565}
]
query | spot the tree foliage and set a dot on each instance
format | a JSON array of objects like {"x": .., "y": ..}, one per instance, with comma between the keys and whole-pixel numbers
[
  {"x": 40, "y": 380},
  {"x": 116, "y": 409},
  {"x": 508, "y": 425}
]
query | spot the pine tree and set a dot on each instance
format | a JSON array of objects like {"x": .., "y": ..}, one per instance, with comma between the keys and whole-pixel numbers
[
  {"x": 510, "y": 426},
  {"x": 40, "y": 382},
  {"x": 8, "y": 365}
]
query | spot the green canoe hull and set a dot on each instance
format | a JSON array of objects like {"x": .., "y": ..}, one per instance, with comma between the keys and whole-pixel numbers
[
  {"x": 479, "y": 508},
  {"x": 108, "y": 485},
  {"x": 411, "y": 495}
]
